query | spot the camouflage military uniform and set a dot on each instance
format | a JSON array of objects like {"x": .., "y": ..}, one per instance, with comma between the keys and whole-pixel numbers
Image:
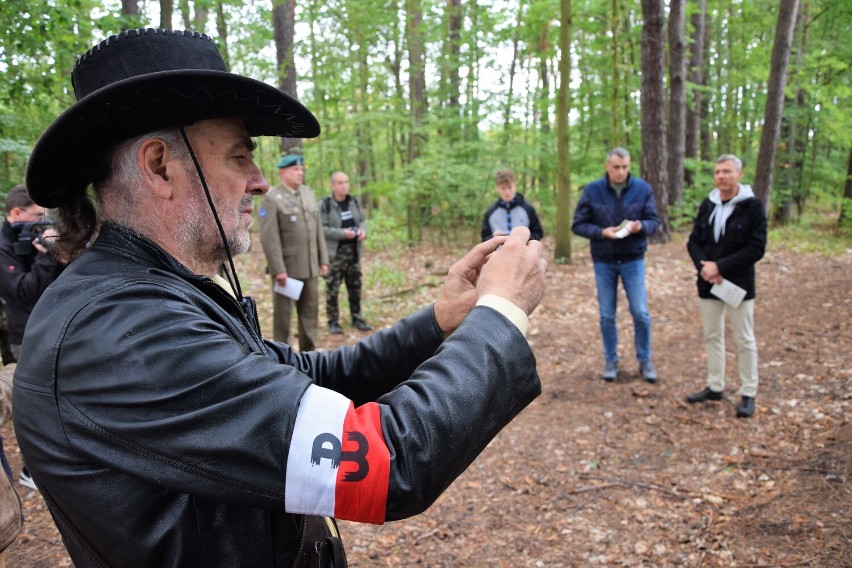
[{"x": 344, "y": 267}]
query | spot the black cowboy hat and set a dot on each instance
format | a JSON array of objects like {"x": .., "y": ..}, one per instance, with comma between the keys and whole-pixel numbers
[{"x": 144, "y": 80}]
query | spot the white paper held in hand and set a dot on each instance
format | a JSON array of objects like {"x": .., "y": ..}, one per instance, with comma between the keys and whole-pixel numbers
[
  {"x": 623, "y": 229},
  {"x": 729, "y": 293},
  {"x": 292, "y": 289},
  {"x": 623, "y": 232}
]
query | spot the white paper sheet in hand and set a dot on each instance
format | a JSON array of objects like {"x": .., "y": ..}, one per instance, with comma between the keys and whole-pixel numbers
[
  {"x": 729, "y": 293},
  {"x": 292, "y": 289}
]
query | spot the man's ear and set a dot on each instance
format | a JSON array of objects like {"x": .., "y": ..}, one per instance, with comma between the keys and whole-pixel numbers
[{"x": 156, "y": 165}]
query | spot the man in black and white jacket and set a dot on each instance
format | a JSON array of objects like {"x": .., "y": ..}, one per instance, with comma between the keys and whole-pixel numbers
[{"x": 728, "y": 238}]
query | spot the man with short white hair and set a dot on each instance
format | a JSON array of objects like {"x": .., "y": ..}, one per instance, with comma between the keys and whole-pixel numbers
[
  {"x": 159, "y": 426},
  {"x": 345, "y": 229},
  {"x": 728, "y": 238}
]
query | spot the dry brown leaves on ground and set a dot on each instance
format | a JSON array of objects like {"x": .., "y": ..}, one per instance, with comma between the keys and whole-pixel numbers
[{"x": 626, "y": 474}]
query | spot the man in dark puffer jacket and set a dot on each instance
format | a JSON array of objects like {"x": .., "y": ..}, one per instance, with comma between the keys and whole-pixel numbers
[{"x": 617, "y": 213}]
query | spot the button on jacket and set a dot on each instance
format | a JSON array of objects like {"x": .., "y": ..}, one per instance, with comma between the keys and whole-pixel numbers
[
  {"x": 152, "y": 414},
  {"x": 291, "y": 233}
]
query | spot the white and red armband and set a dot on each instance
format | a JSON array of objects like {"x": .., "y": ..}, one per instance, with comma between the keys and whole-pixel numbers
[{"x": 339, "y": 463}]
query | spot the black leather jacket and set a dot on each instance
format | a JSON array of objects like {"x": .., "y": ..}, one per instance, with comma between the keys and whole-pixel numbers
[
  {"x": 156, "y": 421},
  {"x": 23, "y": 278},
  {"x": 738, "y": 250}
]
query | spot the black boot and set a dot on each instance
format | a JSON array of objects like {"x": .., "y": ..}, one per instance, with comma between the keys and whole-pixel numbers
[
  {"x": 334, "y": 328},
  {"x": 746, "y": 407},
  {"x": 704, "y": 395}
]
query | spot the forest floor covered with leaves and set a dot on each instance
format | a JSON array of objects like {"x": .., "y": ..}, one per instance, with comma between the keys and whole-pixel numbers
[{"x": 626, "y": 473}]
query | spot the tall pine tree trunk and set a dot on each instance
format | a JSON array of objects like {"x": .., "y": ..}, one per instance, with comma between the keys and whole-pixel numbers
[
  {"x": 507, "y": 113},
  {"x": 452, "y": 86},
  {"x": 166, "y": 12},
  {"x": 562, "y": 254},
  {"x": 653, "y": 100},
  {"x": 363, "y": 132},
  {"x": 696, "y": 78},
  {"x": 775, "y": 99},
  {"x": 222, "y": 32},
  {"x": 706, "y": 149},
  {"x": 677, "y": 101},
  {"x": 283, "y": 28},
  {"x": 129, "y": 7},
  {"x": 416, "y": 77},
  {"x": 417, "y": 105},
  {"x": 617, "y": 55},
  {"x": 794, "y": 131}
]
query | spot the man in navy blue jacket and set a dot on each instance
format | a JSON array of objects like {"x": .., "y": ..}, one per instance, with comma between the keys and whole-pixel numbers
[{"x": 616, "y": 213}]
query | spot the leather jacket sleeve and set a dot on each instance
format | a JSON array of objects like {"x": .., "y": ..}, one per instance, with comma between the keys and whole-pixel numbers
[{"x": 188, "y": 408}]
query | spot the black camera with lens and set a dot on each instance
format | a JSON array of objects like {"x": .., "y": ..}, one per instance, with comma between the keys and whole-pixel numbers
[{"x": 29, "y": 232}]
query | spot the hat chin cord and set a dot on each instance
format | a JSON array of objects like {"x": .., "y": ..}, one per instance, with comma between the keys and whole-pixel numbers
[{"x": 232, "y": 274}]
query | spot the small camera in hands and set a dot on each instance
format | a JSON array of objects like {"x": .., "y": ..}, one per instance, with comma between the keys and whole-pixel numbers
[{"x": 29, "y": 232}]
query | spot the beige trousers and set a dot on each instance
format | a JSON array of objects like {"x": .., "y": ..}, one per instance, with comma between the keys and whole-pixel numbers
[
  {"x": 742, "y": 329},
  {"x": 308, "y": 309}
]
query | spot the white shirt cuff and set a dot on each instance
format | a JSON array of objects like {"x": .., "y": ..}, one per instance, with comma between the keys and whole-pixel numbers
[{"x": 515, "y": 314}]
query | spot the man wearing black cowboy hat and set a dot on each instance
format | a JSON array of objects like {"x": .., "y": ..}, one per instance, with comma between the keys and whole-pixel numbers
[{"x": 161, "y": 429}]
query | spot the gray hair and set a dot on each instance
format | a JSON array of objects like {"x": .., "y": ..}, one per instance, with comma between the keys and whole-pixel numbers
[
  {"x": 731, "y": 158},
  {"x": 618, "y": 151},
  {"x": 331, "y": 177},
  {"x": 125, "y": 176}
]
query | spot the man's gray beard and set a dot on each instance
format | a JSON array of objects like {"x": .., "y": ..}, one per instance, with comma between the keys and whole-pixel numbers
[{"x": 197, "y": 231}]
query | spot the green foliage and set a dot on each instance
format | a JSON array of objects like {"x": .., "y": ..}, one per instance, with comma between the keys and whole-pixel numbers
[
  {"x": 386, "y": 276},
  {"x": 682, "y": 214},
  {"x": 383, "y": 227},
  {"x": 815, "y": 232},
  {"x": 353, "y": 73}
]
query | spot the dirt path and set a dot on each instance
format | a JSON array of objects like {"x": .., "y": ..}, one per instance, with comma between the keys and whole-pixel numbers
[{"x": 627, "y": 474}]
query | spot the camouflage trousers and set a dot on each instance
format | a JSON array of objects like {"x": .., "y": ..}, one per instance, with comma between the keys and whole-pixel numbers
[{"x": 346, "y": 267}]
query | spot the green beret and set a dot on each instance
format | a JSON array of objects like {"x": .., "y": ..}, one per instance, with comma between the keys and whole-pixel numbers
[{"x": 291, "y": 160}]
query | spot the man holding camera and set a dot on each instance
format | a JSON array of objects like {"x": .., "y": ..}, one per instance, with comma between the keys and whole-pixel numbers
[
  {"x": 27, "y": 266},
  {"x": 27, "y": 269},
  {"x": 176, "y": 435}
]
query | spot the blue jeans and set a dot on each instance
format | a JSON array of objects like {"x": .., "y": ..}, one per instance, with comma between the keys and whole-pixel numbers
[{"x": 633, "y": 279}]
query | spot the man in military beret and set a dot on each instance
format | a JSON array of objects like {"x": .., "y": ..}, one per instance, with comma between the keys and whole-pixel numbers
[{"x": 294, "y": 244}]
